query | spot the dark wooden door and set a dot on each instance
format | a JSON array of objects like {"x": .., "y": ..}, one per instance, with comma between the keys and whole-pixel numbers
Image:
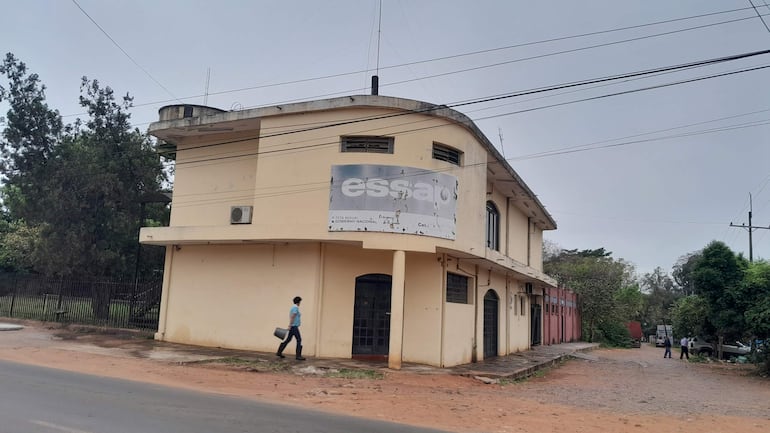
[
  {"x": 371, "y": 315},
  {"x": 491, "y": 322}
]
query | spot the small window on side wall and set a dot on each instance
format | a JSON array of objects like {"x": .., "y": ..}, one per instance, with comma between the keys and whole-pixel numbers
[
  {"x": 366, "y": 144},
  {"x": 493, "y": 227},
  {"x": 457, "y": 288},
  {"x": 443, "y": 152}
]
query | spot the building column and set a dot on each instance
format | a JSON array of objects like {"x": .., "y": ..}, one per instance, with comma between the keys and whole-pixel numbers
[
  {"x": 164, "y": 294},
  {"x": 397, "y": 310}
]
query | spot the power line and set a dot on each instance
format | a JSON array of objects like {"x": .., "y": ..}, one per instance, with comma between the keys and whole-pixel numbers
[
  {"x": 123, "y": 51},
  {"x": 324, "y": 77},
  {"x": 759, "y": 15},
  {"x": 526, "y": 92},
  {"x": 508, "y": 62}
]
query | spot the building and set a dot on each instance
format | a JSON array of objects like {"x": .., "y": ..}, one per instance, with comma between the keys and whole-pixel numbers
[{"x": 405, "y": 232}]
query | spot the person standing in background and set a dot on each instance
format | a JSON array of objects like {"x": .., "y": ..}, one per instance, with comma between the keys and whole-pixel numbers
[
  {"x": 667, "y": 344},
  {"x": 685, "y": 352}
]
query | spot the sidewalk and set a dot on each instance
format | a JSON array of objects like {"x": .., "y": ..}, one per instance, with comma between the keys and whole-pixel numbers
[{"x": 129, "y": 344}]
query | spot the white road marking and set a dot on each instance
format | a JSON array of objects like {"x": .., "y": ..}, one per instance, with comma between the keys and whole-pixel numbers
[{"x": 58, "y": 427}]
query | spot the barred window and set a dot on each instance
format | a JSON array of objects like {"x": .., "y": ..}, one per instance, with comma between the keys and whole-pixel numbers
[
  {"x": 446, "y": 153},
  {"x": 366, "y": 144},
  {"x": 456, "y": 288}
]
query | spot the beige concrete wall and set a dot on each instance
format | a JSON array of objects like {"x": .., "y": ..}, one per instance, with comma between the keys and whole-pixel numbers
[
  {"x": 242, "y": 294},
  {"x": 518, "y": 235},
  {"x": 233, "y": 295},
  {"x": 458, "y": 333},
  {"x": 519, "y": 321},
  {"x": 342, "y": 264},
  {"x": 206, "y": 184},
  {"x": 536, "y": 258},
  {"x": 288, "y": 183},
  {"x": 422, "y": 309}
]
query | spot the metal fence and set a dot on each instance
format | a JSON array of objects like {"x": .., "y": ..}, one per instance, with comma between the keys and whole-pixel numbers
[{"x": 111, "y": 303}]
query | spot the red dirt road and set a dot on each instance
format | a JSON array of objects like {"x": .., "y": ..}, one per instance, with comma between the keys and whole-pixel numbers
[{"x": 626, "y": 390}]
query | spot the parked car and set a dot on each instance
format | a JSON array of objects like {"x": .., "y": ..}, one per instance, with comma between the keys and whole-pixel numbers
[{"x": 698, "y": 345}]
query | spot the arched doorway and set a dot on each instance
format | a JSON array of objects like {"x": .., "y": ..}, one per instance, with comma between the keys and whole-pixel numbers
[
  {"x": 371, "y": 316},
  {"x": 491, "y": 322}
]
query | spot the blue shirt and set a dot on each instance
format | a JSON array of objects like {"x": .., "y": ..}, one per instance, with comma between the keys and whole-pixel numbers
[{"x": 294, "y": 312}]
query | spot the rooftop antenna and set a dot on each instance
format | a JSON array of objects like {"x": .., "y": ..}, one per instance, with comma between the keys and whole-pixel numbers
[
  {"x": 206, "y": 92},
  {"x": 376, "y": 77},
  {"x": 500, "y": 134}
]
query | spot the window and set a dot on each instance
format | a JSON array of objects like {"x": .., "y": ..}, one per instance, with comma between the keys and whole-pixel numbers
[
  {"x": 456, "y": 288},
  {"x": 523, "y": 305},
  {"x": 366, "y": 144},
  {"x": 446, "y": 153},
  {"x": 493, "y": 227}
]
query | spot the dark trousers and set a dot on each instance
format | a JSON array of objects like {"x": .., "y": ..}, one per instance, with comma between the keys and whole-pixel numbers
[
  {"x": 667, "y": 353},
  {"x": 685, "y": 353},
  {"x": 293, "y": 333}
]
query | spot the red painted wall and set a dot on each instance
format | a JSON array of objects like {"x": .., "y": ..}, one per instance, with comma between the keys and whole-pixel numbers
[{"x": 561, "y": 316}]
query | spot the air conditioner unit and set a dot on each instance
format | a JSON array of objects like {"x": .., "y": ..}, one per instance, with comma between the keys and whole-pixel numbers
[
  {"x": 528, "y": 288},
  {"x": 240, "y": 214}
]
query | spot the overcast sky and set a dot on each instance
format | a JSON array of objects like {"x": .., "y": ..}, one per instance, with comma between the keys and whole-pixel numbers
[{"x": 684, "y": 157}]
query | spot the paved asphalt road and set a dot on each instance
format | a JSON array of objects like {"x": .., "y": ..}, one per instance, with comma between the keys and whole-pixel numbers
[{"x": 42, "y": 400}]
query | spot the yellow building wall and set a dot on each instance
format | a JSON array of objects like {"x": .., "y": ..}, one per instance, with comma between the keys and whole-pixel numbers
[
  {"x": 245, "y": 292},
  {"x": 519, "y": 321},
  {"x": 342, "y": 264},
  {"x": 518, "y": 235},
  {"x": 458, "y": 333},
  {"x": 206, "y": 184},
  {"x": 536, "y": 259},
  {"x": 422, "y": 309},
  {"x": 239, "y": 292},
  {"x": 288, "y": 183}
]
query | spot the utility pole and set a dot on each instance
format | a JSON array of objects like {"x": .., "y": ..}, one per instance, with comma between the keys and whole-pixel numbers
[{"x": 750, "y": 228}]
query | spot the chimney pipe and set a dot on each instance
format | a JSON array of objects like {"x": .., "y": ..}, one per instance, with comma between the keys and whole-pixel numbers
[{"x": 375, "y": 85}]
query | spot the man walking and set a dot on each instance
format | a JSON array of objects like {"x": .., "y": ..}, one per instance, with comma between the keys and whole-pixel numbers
[
  {"x": 294, "y": 322},
  {"x": 685, "y": 351}
]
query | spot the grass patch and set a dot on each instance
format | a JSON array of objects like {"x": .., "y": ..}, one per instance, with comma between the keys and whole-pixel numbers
[
  {"x": 513, "y": 381},
  {"x": 699, "y": 358},
  {"x": 250, "y": 364},
  {"x": 350, "y": 373}
]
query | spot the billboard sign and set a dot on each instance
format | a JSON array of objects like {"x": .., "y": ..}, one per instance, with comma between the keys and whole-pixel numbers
[{"x": 393, "y": 199}]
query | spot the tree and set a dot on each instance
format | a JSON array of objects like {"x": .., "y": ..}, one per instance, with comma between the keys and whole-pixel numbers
[
  {"x": 660, "y": 295},
  {"x": 717, "y": 277},
  {"x": 28, "y": 141},
  {"x": 598, "y": 279},
  {"x": 79, "y": 188},
  {"x": 17, "y": 243},
  {"x": 688, "y": 314},
  {"x": 101, "y": 171},
  {"x": 682, "y": 273}
]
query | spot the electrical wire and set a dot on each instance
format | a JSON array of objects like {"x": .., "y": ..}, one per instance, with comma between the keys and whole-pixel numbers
[
  {"x": 562, "y": 38},
  {"x": 114, "y": 42},
  {"x": 521, "y": 93}
]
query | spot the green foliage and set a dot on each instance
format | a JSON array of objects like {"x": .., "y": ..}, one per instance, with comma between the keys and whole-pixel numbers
[
  {"x": 755, "y": 294},
  {"x": 660, "y": 295},
  {"x": 718, "y": 276},
  {"x": 79, "y": 188},
  {"x": 683, "y": 272},
  {"x": 689, "y": 316},
  {"x": 351, "y": 373},
  {"x": 598, "y": 279},
  {"x": 31, "y": 134},
  {"x": 614, "y": 334},
  {"x": 630, "y": 302},
  {"x": 17, "y": 245}
]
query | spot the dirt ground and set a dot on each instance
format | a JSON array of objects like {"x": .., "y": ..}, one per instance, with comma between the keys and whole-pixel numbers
[{"x": 625, "y": 390}]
